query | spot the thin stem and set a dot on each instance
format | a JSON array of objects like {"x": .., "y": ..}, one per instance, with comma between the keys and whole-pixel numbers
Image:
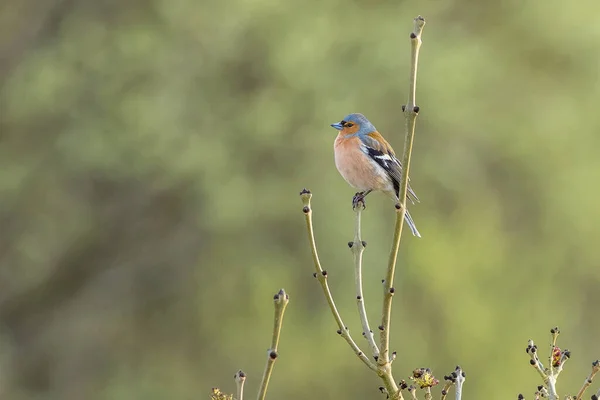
[
  {"x": 428, "y": 393},
  {"x": 410, "y": 113},
  {"x": 413, "y": 392},
  {"x": 321, "y": 276},
  {"x": 445, "y": 389},
  {"x": 240, "y": 378},
  {"x": 281, "y": 300},
  {"x": 460, "y": 379},
  {"x": 537, "y": 364},
  {"x": 588, "y": 381},
  {"x": 357, "y": 247}
]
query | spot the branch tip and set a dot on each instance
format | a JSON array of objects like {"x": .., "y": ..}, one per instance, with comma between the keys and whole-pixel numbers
[
  {"x": 460, "y": 380},
  {"x": 281, "y": 300},
  {"x": 240, "y": 378},
  {"x": 240, "y": 375},
  {"x": 282, "y": 297}
]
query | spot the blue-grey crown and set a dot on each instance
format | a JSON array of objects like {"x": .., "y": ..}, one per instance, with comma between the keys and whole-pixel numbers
[{"x": 365, "y": 125}]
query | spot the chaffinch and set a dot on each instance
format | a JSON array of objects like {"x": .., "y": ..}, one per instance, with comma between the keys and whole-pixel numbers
[{"x": 367, "y": 162}]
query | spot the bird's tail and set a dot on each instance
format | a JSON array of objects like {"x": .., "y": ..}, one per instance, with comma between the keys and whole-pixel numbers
[{"x": 411, "y": 224}]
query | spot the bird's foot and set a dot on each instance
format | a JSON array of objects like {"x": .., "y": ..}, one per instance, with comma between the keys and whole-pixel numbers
[{"x": 359, "y": 200}]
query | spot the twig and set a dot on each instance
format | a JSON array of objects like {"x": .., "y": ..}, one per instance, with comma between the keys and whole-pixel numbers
[
  {"x": 357, "y": 247},
  {"x": 456, "y": 377},
  {"x": 460, "y": 379},
  {"x": 556, "y": 360},
  {"x": 588, "y": 381},
  {"x": 410, "y": 113},
  {"x": 428, "y": 393},
  {"x": 413, "y": 392},
  {"x": 535, "y": 361},
  {"x": 321, "y": 276},
  {"x": 240, "y": 378},
  {"x": 445, "y": 389},
  {"x": 281, "y": 300}
]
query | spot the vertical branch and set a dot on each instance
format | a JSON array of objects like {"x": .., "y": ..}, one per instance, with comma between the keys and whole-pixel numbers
[
  {"x": 240, "y": 378},
  {"x": 357, "y": 247},
  {"x": 456, "y": 377},
  {"x": 460, "y": 379},
  {"x": 321, "y": 276},
  {"x": 281, "y": 302},
  {"x": 410, "y": 113}
]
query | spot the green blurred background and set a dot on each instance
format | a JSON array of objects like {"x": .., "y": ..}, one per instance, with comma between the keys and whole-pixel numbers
[{"x": 151, "y": 155}]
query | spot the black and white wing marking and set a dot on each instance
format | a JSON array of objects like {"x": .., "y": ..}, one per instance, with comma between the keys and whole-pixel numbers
[{"x": 393, "y": 167}]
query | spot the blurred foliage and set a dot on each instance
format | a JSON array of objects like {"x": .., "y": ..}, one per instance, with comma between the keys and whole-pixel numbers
[{"x": 151, "y": 153}]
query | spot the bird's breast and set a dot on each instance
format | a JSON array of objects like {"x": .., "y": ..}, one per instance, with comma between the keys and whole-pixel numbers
[{"x": 356, "y": 167}]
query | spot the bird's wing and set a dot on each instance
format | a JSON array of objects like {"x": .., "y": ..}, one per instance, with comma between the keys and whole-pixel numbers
[{"x": 380, "y": 151}]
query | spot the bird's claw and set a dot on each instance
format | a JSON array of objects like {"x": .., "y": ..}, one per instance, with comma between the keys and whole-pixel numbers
[{"x": 359, "y": 200}]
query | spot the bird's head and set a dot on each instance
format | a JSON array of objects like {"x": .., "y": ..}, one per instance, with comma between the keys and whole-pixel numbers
[{"x": 354, "y": 124}]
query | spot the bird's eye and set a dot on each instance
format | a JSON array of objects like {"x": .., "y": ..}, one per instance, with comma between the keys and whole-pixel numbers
[{"x": 349, "y": 125}]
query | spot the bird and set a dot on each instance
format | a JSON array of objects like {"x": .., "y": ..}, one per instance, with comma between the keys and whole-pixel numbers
[{"x": 368, "y": 163}]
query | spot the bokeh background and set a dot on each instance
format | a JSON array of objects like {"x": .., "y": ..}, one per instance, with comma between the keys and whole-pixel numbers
[{"x": 151, "y": 156}]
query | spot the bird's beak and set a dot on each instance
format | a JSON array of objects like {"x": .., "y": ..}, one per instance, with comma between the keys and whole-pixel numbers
[{"x": 338, "y": 126}]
